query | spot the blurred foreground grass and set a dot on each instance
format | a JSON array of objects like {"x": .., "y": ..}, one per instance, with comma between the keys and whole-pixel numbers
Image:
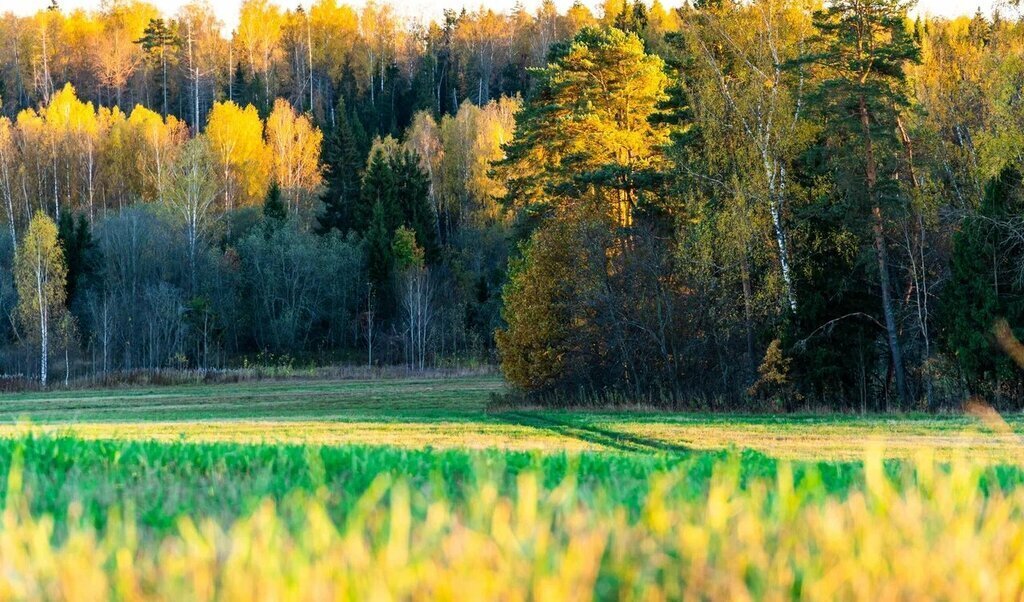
[{"x": 374, "y": 523}]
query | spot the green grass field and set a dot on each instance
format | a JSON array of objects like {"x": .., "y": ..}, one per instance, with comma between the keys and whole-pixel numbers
[
  {"x": 452, "y": 413},
  {"x": 412, "y": 489}
]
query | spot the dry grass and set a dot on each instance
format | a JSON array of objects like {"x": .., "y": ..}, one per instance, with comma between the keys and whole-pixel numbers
[
  {"x": 825, "y": 439},
  {"x": 404, "y": 434}
]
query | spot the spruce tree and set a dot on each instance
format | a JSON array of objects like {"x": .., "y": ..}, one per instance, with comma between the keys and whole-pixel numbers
[
  {"x": 274, "y": 211},
  {"x": 632, "y": 19},
  {"x": 379, "y": 242},
  {"x": 984, "y": 285},
  {"x": 378, "y": 186},
  {"x": 344, "y": 166},
  {"x": 412, "y": 189},
  {"x": 80, "y": 253}
]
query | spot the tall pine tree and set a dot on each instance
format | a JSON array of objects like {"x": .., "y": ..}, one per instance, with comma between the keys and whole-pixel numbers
[{"x": 865, "y": 48}]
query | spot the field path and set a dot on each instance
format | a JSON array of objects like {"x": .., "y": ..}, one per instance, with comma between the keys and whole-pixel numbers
[{"x": 592, "y": 434}]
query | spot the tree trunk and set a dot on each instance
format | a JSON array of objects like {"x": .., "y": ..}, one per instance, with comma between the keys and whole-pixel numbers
[
  {"x": 5, "y": 188},
  {"x": 195, "y": 98},
  {"x": 231, "y": 72},
  {"x": 748, "y": 311},
  {"x": 881, "y": 254},
  {"x": 163, "y": 60},
  {"x": 56, "y": 182},
  {"x": 44, "y": 352},
  {"x": 309, "y": 56},
  {"x": 43, "y": 334},
  {"x": 775, "y": 174}
]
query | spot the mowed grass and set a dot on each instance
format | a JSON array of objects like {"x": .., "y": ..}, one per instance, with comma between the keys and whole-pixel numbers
[
  {"x": 412, "y": 489},
  {"x": 406, "y": 413},
  {"x": 452, "y": 413}
]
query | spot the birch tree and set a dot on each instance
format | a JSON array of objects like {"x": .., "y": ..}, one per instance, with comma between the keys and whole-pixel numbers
[
  {"x": 294, "y": 143},
  {"x": 40, "y": 277},
  {"x": 159, "y": 142},
  {"x": 259, "y": 36},
  {"x": 415, "y": 295},
  {"x": 191, "y": 194},
  {"x": 236, "y": 140},
  {"x": 745, "y": 91},
  {"x": 7, "y": 173}
]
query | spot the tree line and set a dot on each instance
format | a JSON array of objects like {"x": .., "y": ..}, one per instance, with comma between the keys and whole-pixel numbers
[
  {"x": 738, "y": 202},
  {"x": 771, "y": 207},
  {"x": 164, "y": 152},
  {"x": 127, "y": 53},
  {"x": 248, "y": 238}
]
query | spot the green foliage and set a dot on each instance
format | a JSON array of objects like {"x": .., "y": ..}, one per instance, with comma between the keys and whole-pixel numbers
[
  {"x": 632, "y": 19},
  {"x": 378, "y": 188},
  {"x": 160, "y": 45},
  {"x": 274, "y": 211},
  {"x": 379, "y": 259},
  {"x": 411, "y": 193},
  {"x": 80, "y": 253},
  {"x": 551, "y": 341},
  {"x": 863, "y": 50},
  {"x": 832, "y": 339},
  {"x": 246, "y": 89},
  {"x": 394, "y": 205},
  {"x": 985, "y": 285},
  {"x": 344, "y": 168},
  {"x": 406, "y": 252},
  {"x": 165, "y": 482}
]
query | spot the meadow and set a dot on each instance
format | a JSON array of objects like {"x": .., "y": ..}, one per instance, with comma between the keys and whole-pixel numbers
[
  {"x": 414, "y": 489},
  {"x": 454, "y": 413}
]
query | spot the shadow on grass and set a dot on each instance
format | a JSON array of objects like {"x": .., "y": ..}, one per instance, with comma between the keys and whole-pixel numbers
[{"x": 592, "y": 434}]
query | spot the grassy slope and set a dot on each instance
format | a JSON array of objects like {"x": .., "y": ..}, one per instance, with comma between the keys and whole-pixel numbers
[{"x": 451, "y": 414}]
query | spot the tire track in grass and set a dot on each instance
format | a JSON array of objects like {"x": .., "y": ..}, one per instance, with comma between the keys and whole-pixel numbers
[{"x": 591, "y": 434}]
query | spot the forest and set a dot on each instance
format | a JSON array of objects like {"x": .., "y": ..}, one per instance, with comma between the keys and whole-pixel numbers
[{"x": 735, "y": 204}]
